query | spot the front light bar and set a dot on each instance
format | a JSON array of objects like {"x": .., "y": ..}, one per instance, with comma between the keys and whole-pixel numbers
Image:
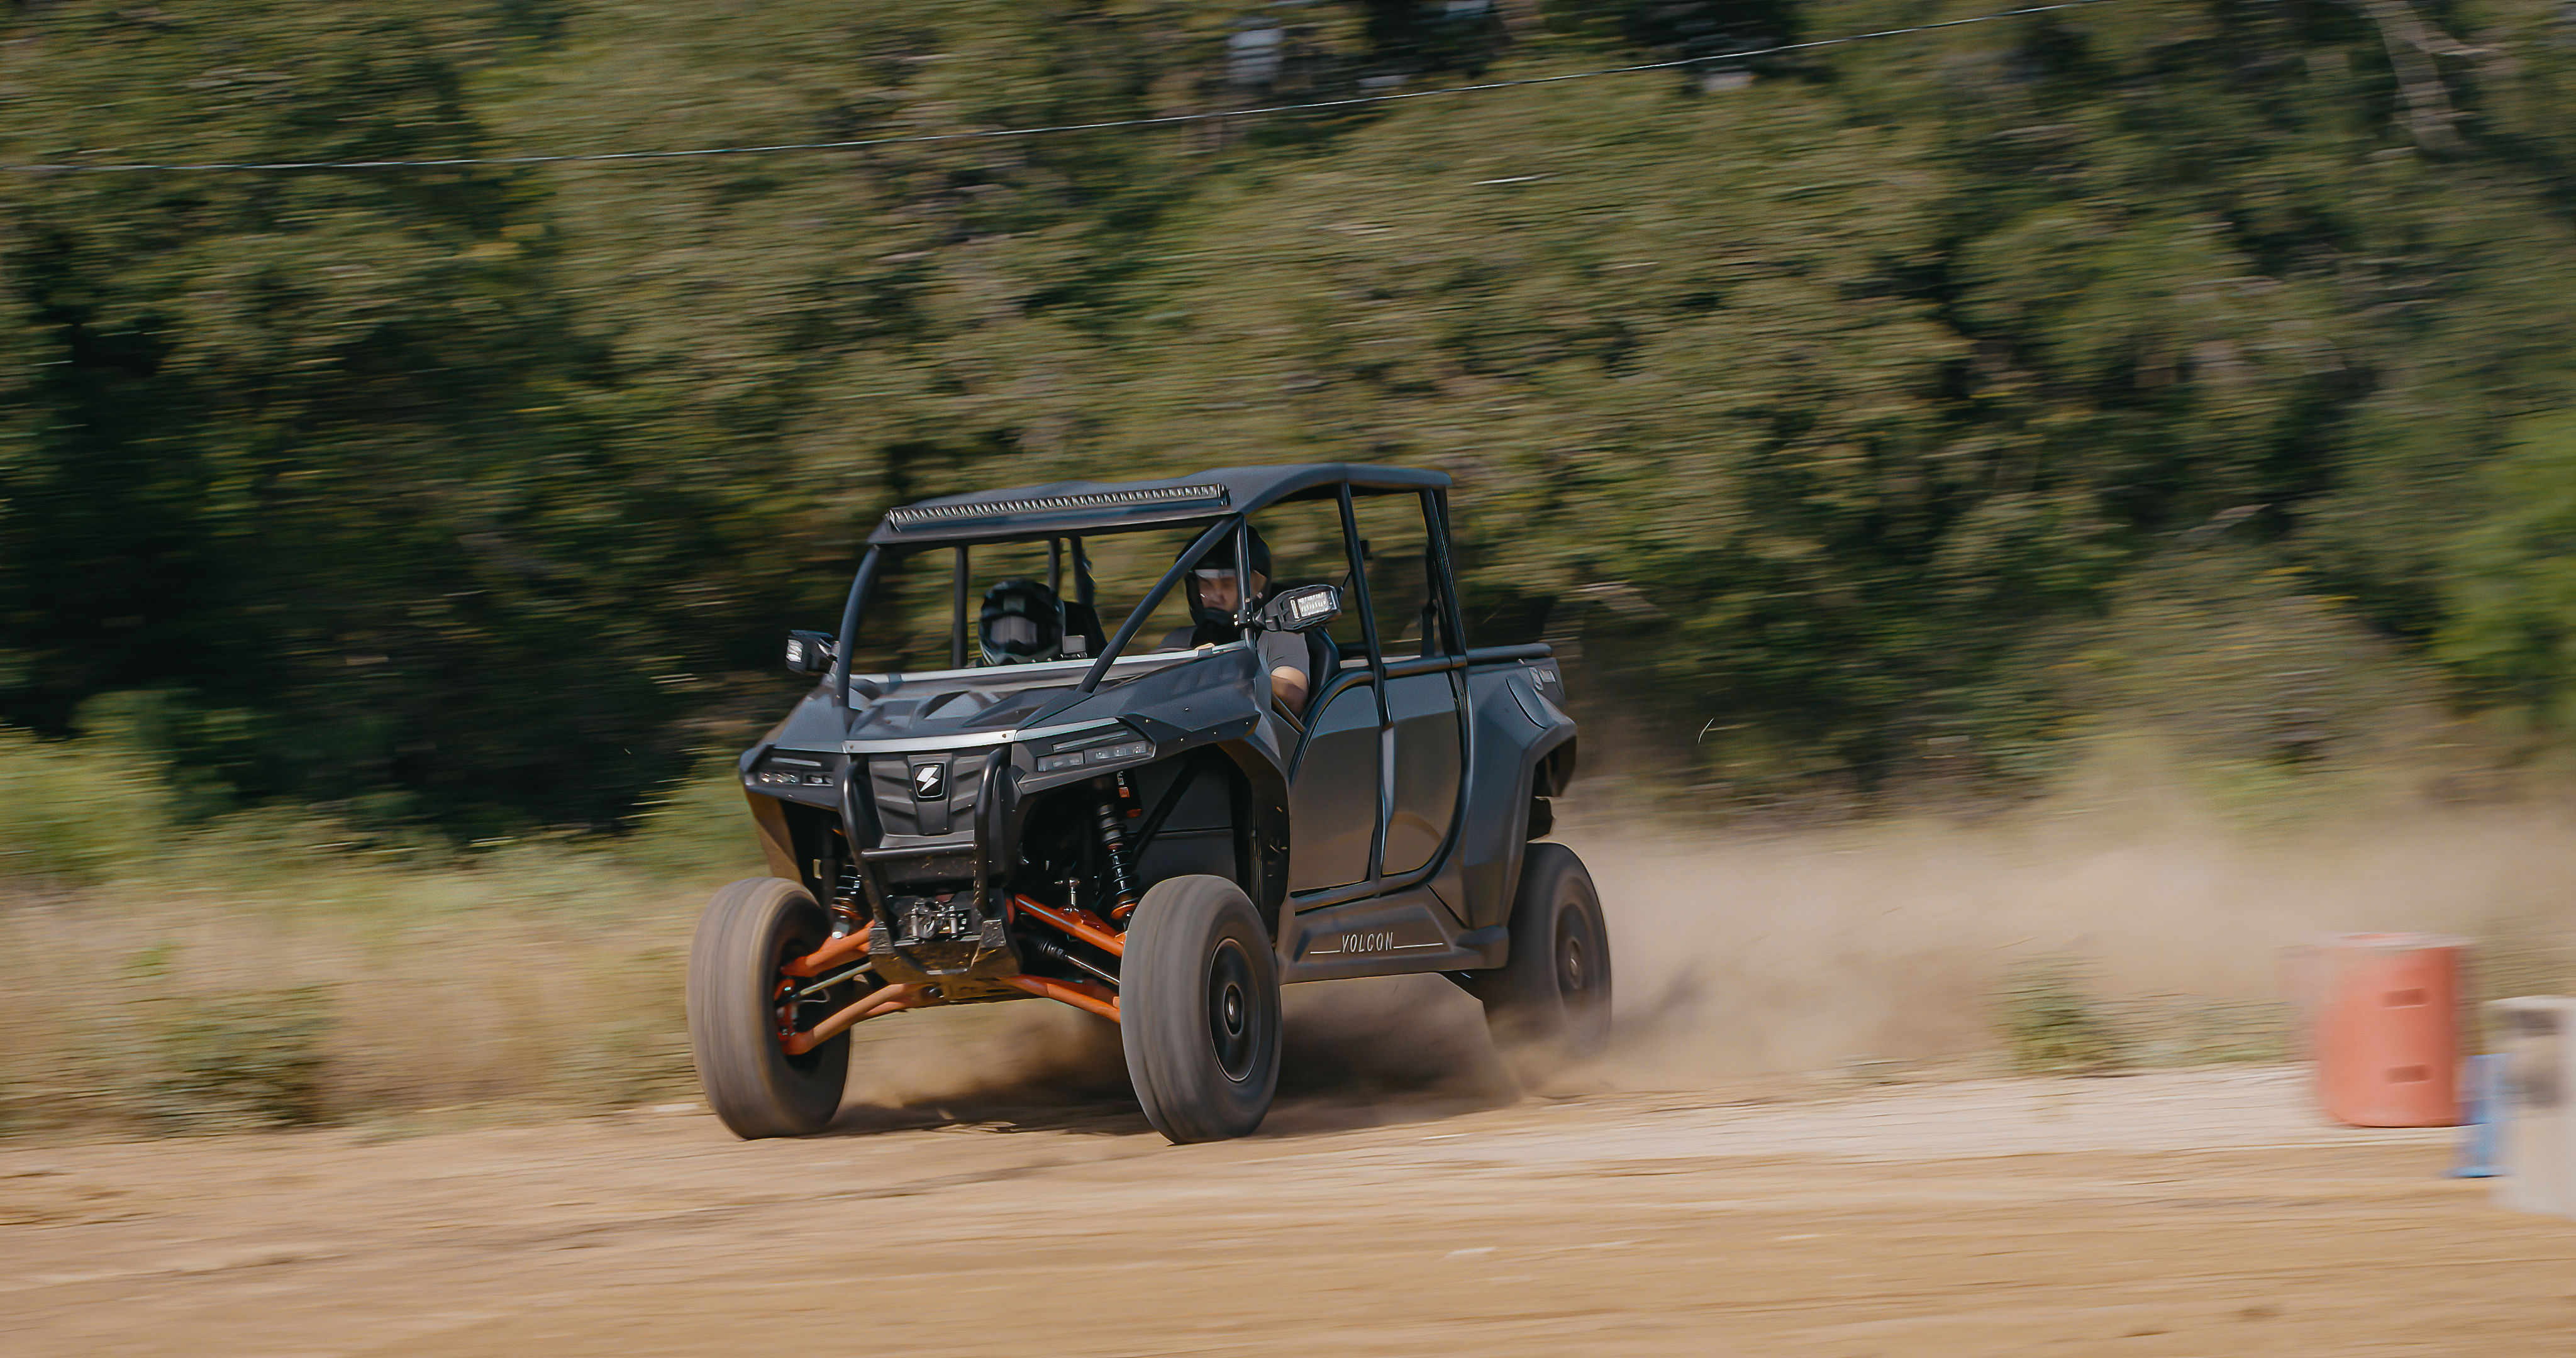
[{"x": 1214, "y": 497}]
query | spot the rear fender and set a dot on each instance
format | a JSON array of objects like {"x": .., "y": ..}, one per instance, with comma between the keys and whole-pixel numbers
[{"x": 1524, "y": 747}]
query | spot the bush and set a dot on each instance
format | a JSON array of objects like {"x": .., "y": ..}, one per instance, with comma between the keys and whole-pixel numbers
[
  {"x": 241, "y": 1061},
  {"x": 2051, "y": 1024},
  {"x": 72, "y": 811}
]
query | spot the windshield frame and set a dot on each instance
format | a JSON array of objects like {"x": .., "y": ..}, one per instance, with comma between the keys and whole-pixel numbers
[
  {"x": 896, "y": 679},
  {"x": 863, "y": 585}
]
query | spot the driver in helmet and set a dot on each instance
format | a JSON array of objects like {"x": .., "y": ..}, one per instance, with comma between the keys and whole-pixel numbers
[{"x": 1214, "y": 604}]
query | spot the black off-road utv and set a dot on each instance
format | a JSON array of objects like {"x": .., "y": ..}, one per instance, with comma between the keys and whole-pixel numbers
[{"x": 1306, "y": 779}]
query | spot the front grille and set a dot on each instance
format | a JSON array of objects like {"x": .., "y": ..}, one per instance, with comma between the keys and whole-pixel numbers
[{"x": 892, "y": 782}]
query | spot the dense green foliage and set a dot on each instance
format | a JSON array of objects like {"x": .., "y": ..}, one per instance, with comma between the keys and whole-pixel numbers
[{"x": 1831, "y": 397}]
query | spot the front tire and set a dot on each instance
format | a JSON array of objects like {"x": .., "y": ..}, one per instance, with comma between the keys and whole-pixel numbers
[
  {"x": 751, "y": 929},
  {"x": 1198, "y": 1002},
  {"x": 1549, "y": 1006}
]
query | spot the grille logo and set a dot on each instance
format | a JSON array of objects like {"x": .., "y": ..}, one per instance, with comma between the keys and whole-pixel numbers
[{"x": 929, "y": 782}]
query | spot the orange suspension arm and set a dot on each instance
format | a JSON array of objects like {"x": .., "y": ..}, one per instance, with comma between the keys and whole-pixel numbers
[
  {"x": 832, "y": 954},
  {"x": 1082, "y": 924},
  {"x": 1079, "y": 994},
  {"x": 887, "y": 1000}
]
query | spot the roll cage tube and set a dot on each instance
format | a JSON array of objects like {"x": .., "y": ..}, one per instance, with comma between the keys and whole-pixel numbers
[
  {"x": 1243, "y": 581},
  {"x": 957, "y": 623},
  {"x": 1452, "y": 611},
  {"x": 1368, "y": 611},
  {"x": 1154, "y": 599},
  {"x": 861, "y": 585}
]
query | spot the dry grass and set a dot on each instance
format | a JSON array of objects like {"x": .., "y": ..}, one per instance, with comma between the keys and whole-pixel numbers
[
  {"x": 268, "y": 970},
  {"x": 273, "y": 970}
]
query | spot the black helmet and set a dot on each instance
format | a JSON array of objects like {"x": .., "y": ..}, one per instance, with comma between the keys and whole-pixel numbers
[
  {"x": 1215, "y": 625},
  {"x": 1022, "y": 622},
  {"x": 1222, "y": 554}
]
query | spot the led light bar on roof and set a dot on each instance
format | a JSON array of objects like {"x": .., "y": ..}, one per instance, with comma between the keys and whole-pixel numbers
[{"x": 1213, "y": 496}]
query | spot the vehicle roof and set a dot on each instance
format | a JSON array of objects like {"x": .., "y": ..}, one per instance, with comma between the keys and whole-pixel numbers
[{"x": 1065, "y": 507}]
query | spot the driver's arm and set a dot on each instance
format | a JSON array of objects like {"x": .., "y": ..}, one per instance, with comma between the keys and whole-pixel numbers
[
  {"x": 1288, "y": 687},
  {"x": 1284, "y": 655}
]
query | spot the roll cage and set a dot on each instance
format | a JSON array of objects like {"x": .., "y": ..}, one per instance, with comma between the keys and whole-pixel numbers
[{"x": 1063, "y": 514}]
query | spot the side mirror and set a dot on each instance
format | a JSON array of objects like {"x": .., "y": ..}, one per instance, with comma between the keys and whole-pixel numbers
[
  {"x": 809, "y": 652},
  {"x": 1302, "y": 609}
]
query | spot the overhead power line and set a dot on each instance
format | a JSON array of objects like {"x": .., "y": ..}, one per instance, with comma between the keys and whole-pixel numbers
[{"x": 991, "y": 134}]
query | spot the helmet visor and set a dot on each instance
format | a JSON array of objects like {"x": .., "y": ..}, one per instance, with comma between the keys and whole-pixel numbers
[{"x": 1012, "y": 632}]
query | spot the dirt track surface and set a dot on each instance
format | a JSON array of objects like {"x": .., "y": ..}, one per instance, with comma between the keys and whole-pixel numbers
[{"x": 2192, "y": 1213}]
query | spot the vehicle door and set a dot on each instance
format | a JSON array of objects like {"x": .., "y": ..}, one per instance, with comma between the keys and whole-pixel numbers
[
  {"x": 1334, "y": 770},
  {"x": 1422, "y": 759}
]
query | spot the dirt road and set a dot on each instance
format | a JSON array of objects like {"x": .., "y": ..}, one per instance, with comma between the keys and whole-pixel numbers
[{"x": 2191, "y": 1213}]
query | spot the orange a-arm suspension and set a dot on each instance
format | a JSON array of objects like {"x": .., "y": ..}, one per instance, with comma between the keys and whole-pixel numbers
[
  {"x": 1082, "y": 924},
  {"x": 830, "y": 955},
  {"x": 1079, "y": 994},
  {"x": 1088, "y": 927},
  {"x": 883, "y": 1000},
  {"x": 1085, "y": 995}
]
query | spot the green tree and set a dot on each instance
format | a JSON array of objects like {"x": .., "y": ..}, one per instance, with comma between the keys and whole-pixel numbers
[{"x": 2511, "y": 591}]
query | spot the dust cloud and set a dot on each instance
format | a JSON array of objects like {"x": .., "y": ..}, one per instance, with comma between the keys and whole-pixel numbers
[
  {"x": 1356, "y": 1052},
  {"x": 1743, "y": 956},
  {"x": 1804, "y": 952},
  {"x": 1019, "y": 1064}
]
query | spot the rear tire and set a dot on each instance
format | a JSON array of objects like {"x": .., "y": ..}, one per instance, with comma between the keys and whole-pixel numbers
[
  {"x": 751, "y": 929},
  {"x": 1549, "y": 1006},
  {"x": 1198, "y": 1002}
]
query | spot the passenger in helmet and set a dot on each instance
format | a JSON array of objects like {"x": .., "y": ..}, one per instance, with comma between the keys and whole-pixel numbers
[
  {"x": 1215, "y": 604},
  {"x": 1022, "y": 623}
]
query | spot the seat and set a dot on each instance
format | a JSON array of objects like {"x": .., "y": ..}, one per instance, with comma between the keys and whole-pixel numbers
[
  {"x": 1323, "y": 655},
  {"x": 1082, "y": 620},
  {"x": 1322, "y": 659}
]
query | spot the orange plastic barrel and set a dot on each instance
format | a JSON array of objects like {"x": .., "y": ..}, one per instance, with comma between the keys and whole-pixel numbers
[{"x": 2386, "y": 1032}]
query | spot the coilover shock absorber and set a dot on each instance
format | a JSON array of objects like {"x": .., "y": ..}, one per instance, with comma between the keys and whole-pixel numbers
[
  {"x": 1112, "y": 820},
  {"x": 837, "y": 878}
]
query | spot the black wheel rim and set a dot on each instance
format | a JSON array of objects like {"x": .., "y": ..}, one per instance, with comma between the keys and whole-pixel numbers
[
  {"x": 1233, "y": 1021},
  {"x": 1576, "y": 960}
]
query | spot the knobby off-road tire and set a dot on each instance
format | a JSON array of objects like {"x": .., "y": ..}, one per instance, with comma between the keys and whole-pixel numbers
[
  {"x": 1549, "y": 1005},
  {"x": 749, "y": 930},
  {"x": 1198, "y": 1010}
]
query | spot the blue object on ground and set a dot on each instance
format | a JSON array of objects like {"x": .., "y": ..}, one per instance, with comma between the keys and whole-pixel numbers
[{"x": 2478, "y": 1129}]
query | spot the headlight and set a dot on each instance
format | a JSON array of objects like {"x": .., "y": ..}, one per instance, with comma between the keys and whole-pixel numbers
[
  {"x": 795, "y": 770},
  {"x": 1099, "y": 748}
]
